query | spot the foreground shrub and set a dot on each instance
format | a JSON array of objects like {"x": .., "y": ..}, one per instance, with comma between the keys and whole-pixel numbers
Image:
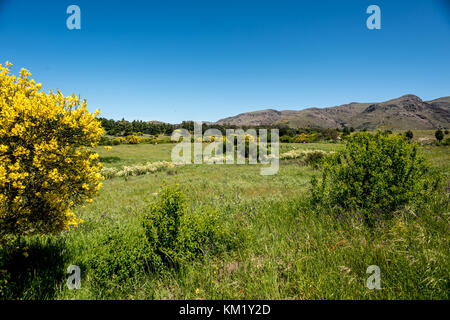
[
  {"x": 374, "y": 174},
  {"x": 118, "y": 261},
  {"x": 177, "y": 234},
  {"x": 46, "y": 168}
]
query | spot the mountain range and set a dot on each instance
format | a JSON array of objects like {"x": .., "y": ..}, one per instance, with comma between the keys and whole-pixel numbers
[{"x": 405, "y": 112}]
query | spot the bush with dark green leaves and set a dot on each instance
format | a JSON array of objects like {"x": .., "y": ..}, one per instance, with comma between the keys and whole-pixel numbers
[
  {"x": 314, "y": 158},
  {"x": 446, "y": 142},
  {"x": 286, "y": 139},
  {"x": 162, "y": 223},
  {"x": 409, "y": 134},
  {"x": 439, "y": 135},
  {"x": 374, "y": 175},
  {"x": 178, "y": 234},
  {"x": 118, "y": 260}
]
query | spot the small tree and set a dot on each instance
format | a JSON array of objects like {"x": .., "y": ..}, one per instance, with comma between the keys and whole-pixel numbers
[
  {"x": 439, "y": 135},
  {"x": 409, "y": 134},
  {"x": 176, "y": 233},
  {"x": 374, "y": 174},
  {"x": 345, "y": 131},
  {"x": 46, "y": 166}
]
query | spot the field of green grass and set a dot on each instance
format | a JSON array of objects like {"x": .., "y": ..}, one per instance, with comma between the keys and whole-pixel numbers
[{"x": 284, "y": 249}]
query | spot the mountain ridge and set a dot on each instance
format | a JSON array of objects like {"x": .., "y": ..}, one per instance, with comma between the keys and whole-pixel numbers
[{"x": 405, "y": 112}]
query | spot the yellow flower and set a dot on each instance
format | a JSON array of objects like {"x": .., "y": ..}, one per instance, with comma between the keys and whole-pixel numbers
[{"x": 197, "y": 291}]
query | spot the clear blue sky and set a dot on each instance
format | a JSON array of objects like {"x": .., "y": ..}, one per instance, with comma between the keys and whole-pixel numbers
[{"x": 205, "y": 60}]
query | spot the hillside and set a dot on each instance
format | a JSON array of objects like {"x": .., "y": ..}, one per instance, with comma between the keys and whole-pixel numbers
[{"x": 406, "y": 112}]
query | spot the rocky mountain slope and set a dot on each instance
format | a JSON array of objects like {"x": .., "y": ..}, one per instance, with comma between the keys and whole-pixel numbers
[{"x": 406, "y": 112}]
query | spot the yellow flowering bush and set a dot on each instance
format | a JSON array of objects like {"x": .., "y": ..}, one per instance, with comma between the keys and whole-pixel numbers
[
  {"x": 119, "y": 140},
  {"x": 46, "y": 165},
  {"x": 132, "y": 139},
  {"x": 303, "y": 137}
]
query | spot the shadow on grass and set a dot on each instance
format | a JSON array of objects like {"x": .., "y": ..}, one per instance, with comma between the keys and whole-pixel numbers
[
  {"x": 109, "y": 159},
  {"x": 33, "y": 269}
]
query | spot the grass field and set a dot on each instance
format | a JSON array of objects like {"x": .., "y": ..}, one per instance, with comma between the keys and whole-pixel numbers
[{"x": 284, "y": 250}]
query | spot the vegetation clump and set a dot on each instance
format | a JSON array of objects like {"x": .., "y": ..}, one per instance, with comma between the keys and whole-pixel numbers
[
  {"x": 177, "y": 234},
  {"x": 46, "y": 165},
  {"x": 375, "y": 174},
  {"x": 439, "y": 135}
]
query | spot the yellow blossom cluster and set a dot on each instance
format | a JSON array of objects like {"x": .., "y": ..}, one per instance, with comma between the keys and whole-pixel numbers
[{"x": 46, "y": 164}]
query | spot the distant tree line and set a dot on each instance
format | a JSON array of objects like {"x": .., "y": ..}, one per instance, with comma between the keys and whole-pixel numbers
[
  {"x": 286, "y": 133},
  {"x": 124, "y": 128}
]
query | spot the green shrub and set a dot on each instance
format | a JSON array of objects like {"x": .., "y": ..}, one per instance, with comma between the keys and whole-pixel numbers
[
  {"x": 439, "y": 135},
  {"x": 200, "y": 233},
  {"x": 145, "y": 140},
  {"x": 162, "y": 224},
  {"x": 105, "y": 141},
  {"x": 120, "y": 257},
  {"x": 374, "y": 174},
  {"x": 163, "y": 139},
  {"x": 306, "y": 157},
  {"x": 177, "y": 234},
  {"x": 409, "y": 134},
  {"x": 446, "y": 142},
  {"x": 286, "y": 139},
  {"x": 119, "y": 140},
  {"x": 314, "y": 158}
]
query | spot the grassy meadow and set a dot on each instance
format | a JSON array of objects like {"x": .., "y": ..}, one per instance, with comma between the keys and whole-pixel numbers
[{"x": 281, "y": 247}]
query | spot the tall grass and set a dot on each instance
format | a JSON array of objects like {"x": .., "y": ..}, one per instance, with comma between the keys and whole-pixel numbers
[{"x": 284, "y": 248}]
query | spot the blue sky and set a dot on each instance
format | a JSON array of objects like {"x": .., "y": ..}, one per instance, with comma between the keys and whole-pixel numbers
[{"x": 205, "y": 60}]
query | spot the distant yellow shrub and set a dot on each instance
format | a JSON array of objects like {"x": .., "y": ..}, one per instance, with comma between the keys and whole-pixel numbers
[
  {"x": 119, "y": 140},
  {"x": 46, "y": 166},
  {"x": 303, "y": 137},
  {"x": 132, "y": 139}
]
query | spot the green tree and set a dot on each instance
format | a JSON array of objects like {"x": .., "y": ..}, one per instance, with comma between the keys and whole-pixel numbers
[
  {"x": 439, "y": 135},
  {"x": 345, "y": 131},
  {"x": 374, "y": 175},
  {"x": 409, "y": 134}
]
